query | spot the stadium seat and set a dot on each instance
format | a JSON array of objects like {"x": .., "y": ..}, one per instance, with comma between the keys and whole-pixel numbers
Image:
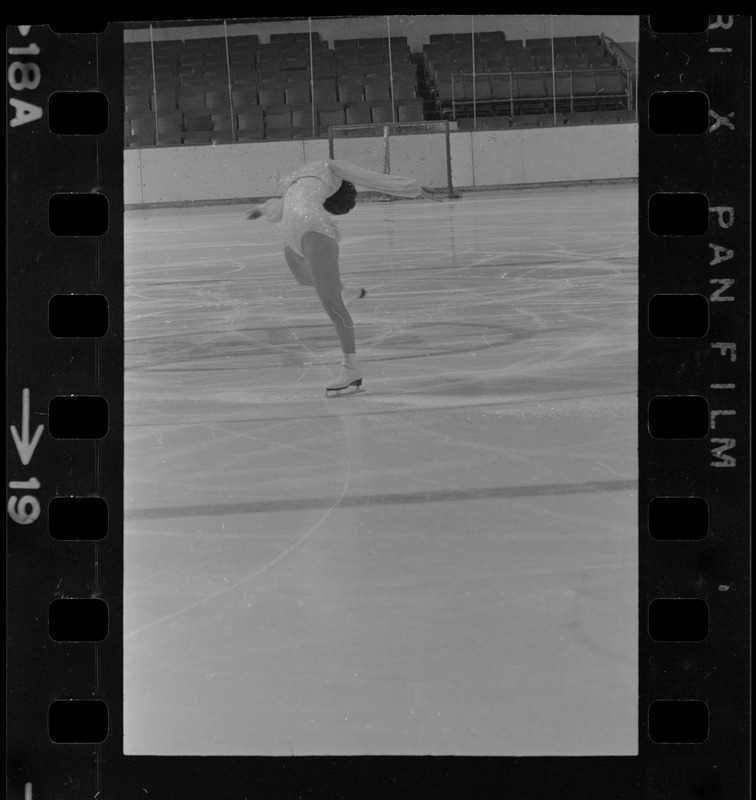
[
  {"x": 578, "y": 117},
  {"x": 196, "y": 137},
  {"x": 143, "y": 130},
  {"x": 194, "y": 102},
  {"x": 584, "y": 89},
  {"x": 324, "y": 92},
  {"x": 545, "y": 120},
  {"x": 610, "y": 87},
  {"x": 137, "y": 104},
  {"x": 217, "y": 100},
  {"x": 165, "y": 102},
  {"x": 297, "y": 95},
  {"x": 382, "y": 113},
  {"x": 605, "y": 116},
  {"x": 501, "y": 87},
  {"x": 495, "y": 123},
  {"x": 410, "y": 110},
  {"x": 351, "y": 92},
  {"x": 531, "y": 94},
  {"x": 199, "y": 122},
  {"x": 222, "y": 121},
  {"x": 525, "y": 121},
  {"x": 251, "y": 128},
  {"x": 359, "y": 114},
  {"x": 331, "y": 116},
  {"x": 244, "y": 98},
  {"x": 271, "y": 96},
  {"x": 278, "y": 122},
  {"x": 302, "y": 121},
  {"x": 376, "y": 92},
  {"x": 404, "y": 89}
]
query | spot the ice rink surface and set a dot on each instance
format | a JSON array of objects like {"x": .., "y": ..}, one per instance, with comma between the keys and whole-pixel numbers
[{"x": 445, "y": 563}]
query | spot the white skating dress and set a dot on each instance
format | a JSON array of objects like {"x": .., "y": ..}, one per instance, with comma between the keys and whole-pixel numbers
[{"x": 303, "y": 192}]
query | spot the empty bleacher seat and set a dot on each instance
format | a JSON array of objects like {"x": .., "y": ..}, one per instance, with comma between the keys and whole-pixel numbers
[
  {"x": 583, "y": 88},
  {"x": 244, "y": 98},
  {"x": 376, "y": 92},
  {"x": 410, "y": 110},
  {"x": 358, "y": 114},
  {"x": 250, "y": 125},
  {"x": 351, "y": 91},
  {"x": 578, "y": 117},
  {"x": 611, "y": 88},
  {"x": 271, "y": 95},
  {"x": 297, "y": 95},
  {"x": 222, "y": 120},
  {"x": 324, "y": 92},
  {"x": 217, "y": 100},
  {"x": 334, "y": 115},
  {"x": 169, "y": 130},
  {"x": 137, "y": 103},
  {"x": 494, "y": 123},
  {"x": 551, "y": 119},
  {"x": 197, "y": 122},
  {"x": 383, "y": 112},
  {"x": 605, "y": 116},
  {"x": 302, "y": 121},
  {"x": 404, "y": 89},
  {"x": 525, "y": 121},
  {"x": 165, "y": 102},
  {"x": 531, "y": 87},
  {"x": 278, "y": 122},
  {"x": 195, "y": 137},
  {"x": 143, "y": 130},
  {"x": 193, "y": 102}
]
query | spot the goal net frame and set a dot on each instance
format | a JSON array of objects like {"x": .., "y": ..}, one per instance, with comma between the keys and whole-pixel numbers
[{"x": 420, "y": 150}]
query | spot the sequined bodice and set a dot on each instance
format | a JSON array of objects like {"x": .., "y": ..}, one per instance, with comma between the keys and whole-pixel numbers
[
  {"x": 320, "y": 173},
  {"x": 304, "y": 192}
]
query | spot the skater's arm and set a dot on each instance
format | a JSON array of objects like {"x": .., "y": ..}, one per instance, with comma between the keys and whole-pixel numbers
[
  {"x": 376, "y": 181},
  {"x": 271, "y": 209}
]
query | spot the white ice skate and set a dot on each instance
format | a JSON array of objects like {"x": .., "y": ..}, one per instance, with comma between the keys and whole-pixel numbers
[
  {"x": 351, "y": 293},
  {"x": 346, "y": 379}
]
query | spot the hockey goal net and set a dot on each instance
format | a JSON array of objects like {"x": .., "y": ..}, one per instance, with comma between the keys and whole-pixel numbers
[{"x": 419, "y": 150}]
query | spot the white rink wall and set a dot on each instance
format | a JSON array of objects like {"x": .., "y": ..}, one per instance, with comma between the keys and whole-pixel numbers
[{"x": 480, "y": 159}]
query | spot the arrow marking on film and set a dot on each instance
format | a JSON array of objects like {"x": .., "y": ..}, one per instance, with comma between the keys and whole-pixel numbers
[{"x": 23, "y": 445}]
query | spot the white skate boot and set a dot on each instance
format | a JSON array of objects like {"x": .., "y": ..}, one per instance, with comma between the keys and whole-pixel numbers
[{"x": 347, "y": 378}]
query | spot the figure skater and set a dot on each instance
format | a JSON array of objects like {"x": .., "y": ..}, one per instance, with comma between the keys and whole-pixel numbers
[{"x": 311, "y": 239}]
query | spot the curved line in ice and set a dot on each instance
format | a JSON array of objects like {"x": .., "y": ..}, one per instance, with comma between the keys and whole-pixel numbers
[{"x": 251, "y": 575}]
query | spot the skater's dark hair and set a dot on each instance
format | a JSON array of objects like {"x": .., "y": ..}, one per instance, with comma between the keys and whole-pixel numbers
[{"x": 343, "y": 200}]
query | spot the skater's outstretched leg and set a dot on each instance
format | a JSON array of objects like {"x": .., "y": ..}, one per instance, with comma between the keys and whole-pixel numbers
[
  {"x": 298, "y": 267},
  {"x": 301, "y": 272}
]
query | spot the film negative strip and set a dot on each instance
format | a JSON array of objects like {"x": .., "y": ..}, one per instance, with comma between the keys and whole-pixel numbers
[{"x": 65, "y": 418}]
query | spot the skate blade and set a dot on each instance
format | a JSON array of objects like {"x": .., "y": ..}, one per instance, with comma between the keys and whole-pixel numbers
[{"x": 355, "y": 387}]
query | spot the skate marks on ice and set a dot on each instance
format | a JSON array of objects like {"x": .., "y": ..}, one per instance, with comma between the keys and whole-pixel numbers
[{"x": 443, "y": 564}]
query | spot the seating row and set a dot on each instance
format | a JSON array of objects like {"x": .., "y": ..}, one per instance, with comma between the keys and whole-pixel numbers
[
  {"x": 576, "y": 90},
  {"x": 484, "y": 122},
  {"x": 254, "y": 124},
  {"x": 209, "y": 97}
]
